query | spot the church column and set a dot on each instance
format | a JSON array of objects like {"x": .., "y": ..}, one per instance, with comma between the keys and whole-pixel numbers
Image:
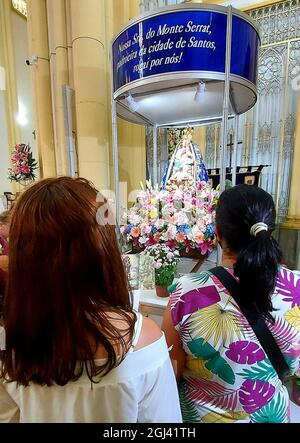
[
  {"x": 38, "y": 46},
  {"x": 289, "y": 236},
  {"x": 56, "y": 14},
  {"x": 89, "y": 55},
  {"x": 131, "y": 137}
]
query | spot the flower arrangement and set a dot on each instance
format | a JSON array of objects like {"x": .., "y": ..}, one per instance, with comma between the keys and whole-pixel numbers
[
  {"x": 165, "y": 263},
  {"x": 23, "y": 164},
  {"x": 183, "y": 220}
]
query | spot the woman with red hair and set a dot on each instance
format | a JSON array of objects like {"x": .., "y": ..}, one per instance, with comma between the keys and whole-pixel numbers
[{"x": 75, "y": 351}]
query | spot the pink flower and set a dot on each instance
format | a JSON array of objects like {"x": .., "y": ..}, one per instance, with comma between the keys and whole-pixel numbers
[
  {"x": 205, "y": 247},
  {"x": 146, "y": 229},
  {"x": 150, "y": 242},
  {"x": 187, "y": 246},
  {"x": 169, "y": 199},
  {"x": 171, "y": 232},
  {"x": 201, "y": 223},
  {"x": 180, "y": 237},
  {"x": 199, "y": 238},
  {"x": 159, "y": 223},
  {"x": 135, "y": 232},
  {"x": 25, "y": 169}
]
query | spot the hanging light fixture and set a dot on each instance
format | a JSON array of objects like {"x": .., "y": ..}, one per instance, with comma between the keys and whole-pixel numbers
[
  {"x": 133, "y": 105},
  {"x": 200, "y": 92}
]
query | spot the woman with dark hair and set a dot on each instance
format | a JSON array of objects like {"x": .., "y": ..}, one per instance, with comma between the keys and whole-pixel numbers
[
  {"x": 75, "y": 351},
  {"x": 226, "y": 373}
]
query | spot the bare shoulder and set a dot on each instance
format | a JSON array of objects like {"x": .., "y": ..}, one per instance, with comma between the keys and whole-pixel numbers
[{"x": 150, "y": 333}]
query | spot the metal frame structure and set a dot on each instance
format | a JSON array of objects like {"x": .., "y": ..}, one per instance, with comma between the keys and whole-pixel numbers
[{"x": 225, "y": 114}]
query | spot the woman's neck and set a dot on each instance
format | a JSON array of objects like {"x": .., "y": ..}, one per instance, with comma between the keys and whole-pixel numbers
[{"x": 228, "y": 259}]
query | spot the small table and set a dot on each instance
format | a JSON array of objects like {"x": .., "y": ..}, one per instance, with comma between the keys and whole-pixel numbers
[{"x": 147, "y": 302}]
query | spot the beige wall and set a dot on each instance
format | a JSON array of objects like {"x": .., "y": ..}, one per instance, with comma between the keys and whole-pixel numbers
[
  {"x": 80, "y": 35},
  {"x": 131, "y": 137},
  {"x": 13, "y": 53}
]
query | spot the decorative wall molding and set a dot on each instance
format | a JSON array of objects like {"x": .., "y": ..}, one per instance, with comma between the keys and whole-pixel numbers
[{"x": 20, "y": 6}]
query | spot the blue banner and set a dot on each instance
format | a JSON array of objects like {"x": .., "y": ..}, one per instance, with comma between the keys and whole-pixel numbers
[{"x": 183, "y": 41}]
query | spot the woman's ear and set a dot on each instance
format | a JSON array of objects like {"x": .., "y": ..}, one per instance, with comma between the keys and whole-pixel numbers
[{"x": 218, "y": 234}]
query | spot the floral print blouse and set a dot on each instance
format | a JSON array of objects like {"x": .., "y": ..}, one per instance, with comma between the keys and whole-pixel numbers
[{"x": 228, "y": 377}]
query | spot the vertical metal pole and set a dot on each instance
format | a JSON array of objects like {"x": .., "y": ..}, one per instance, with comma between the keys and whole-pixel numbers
[
  {"x": 155, "y": 165},
  {"x": 226, "y": 101},
  {"x": 116, "y": 159},
  {"x": 235, "y": 146},
  {"x": 114, "y": 123},
  {"x": 225, "y": 110}
]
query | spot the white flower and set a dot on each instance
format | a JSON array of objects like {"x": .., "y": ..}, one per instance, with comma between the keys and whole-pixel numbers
[
  {"x": 142, "y": 240},
  {"x": 157, "y": 265},
  {"x": 170, "y": 255},
  {"x": 134, "y": 219},
  {"x": 159, "y": 223},
  {"x": 181, "y": 218}
]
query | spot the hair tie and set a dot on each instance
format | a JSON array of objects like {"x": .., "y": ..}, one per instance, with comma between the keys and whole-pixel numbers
[{"x": 257, "y": 228}]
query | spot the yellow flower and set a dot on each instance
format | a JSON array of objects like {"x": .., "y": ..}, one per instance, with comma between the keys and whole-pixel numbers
[{"x": 153, "y": 214}]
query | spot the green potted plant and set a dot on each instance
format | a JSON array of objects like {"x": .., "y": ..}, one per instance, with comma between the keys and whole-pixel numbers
[{"x": 165, "y": 264}]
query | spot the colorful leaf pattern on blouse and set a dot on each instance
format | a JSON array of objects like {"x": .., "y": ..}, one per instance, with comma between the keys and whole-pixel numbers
[
  {"x": 229, "y": 377},
  {"x": 214, "y": 362},
  {"x": 283, "y": 333},
  {"x": 176, "y": 294},
  {"x": 261, "y": 371},
  {"x": 276, "y": 411},
  {"x": 188, "y": 408},
  {"x": 288, "y": 285},
  {"x": 215, "y": 323},
  {"x": 293, "y": 317},
  {"x": 203, "y": 392},
  {"x": 227, "y": 417},
  {"x": 198, "y": 368},
  {"x": 202, "y": 278},
  {"x": 245, "y": 352},
  {"x": 194, "y": 300},
  {"x": 254, "y": 394}
]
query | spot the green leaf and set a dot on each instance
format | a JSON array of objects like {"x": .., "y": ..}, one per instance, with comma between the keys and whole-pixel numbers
[
  {"x": 276, "y": 411},
  {"x": 214, "y": 362},
  {"x": 200, "y": 278},
  {"x": 188, "y": 407},
  {"x": 263, "y": 371},
  {"x": 218, "y": 366},
  {"x": 201, "y": 349}
]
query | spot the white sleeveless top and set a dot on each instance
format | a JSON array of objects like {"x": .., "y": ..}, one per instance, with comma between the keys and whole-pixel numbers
[{"x": 141, "y": 389}]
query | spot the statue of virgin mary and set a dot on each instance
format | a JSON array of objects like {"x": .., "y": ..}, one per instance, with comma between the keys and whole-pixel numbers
[{"x": 186, "y": 167}]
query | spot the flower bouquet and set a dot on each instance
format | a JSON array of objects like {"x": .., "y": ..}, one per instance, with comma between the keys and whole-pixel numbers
[
  {"x": 23, "y": 165},
  {"x": 165, "y": 264},
  {"x": 183, "y": 220}
]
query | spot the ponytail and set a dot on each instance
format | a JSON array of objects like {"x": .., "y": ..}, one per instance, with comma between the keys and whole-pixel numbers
[
  {"x": 256, "y": 267},
  {"x": 245, "y": 219}
]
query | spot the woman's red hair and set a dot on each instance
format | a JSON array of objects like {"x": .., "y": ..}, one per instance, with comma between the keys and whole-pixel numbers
[{"x": 66, "y": 280}]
